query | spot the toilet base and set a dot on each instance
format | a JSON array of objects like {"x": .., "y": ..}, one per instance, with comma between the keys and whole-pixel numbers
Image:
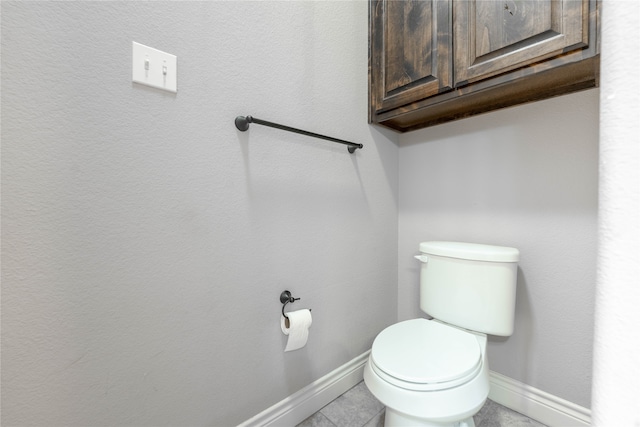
[{"x": 395, "y": 419}]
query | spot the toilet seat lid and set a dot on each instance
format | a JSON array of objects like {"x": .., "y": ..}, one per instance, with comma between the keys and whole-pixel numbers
[{"x": 425, "y": 352}]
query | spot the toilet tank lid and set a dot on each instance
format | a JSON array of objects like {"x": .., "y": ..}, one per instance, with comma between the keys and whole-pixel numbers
[{"x": 471, "y": 251}]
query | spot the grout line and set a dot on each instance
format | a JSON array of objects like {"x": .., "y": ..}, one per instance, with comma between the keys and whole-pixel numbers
[
  {"x": 376, "y": 415},
  {"x": 327, "y": 418}
]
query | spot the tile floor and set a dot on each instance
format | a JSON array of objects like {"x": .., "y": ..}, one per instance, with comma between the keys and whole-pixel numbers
[{"x": 358, "y": 408}]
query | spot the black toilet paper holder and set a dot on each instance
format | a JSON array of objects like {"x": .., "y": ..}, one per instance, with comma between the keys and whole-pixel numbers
[{"x": 286, "y": 298}]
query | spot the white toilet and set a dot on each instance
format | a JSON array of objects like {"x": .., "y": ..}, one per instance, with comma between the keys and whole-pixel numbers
[{"x": 435, "y": 372}]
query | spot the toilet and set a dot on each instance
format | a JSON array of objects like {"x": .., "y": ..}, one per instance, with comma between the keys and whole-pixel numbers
[{"x": 435, "y": 372}]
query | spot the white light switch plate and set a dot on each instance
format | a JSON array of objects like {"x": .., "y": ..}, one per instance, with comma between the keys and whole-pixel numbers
[{"x": 154, "y": 68}]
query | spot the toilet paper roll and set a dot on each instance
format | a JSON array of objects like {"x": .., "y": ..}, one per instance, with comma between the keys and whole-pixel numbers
[{"x": 298, "y": 330}]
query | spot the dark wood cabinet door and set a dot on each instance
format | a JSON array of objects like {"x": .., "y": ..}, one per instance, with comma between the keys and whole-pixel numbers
[
  {"x": 433, "y": 61},
  {"x": 495, "y": 36},
  {"x": 411, "y": 52}
]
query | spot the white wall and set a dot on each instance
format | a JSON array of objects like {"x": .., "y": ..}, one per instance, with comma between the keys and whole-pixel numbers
[
  {"x": 616, "y": 372},
  {"x": 525, "y": 177},
  {"x": 145, "y": 241}
]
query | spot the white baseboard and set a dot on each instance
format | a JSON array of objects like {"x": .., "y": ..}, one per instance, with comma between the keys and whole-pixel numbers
[
  {"x": 304, "y": 403},
  {"x": 536, "y": 404}
]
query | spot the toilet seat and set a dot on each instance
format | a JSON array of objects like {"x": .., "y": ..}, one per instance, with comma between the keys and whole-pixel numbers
[{"x": 425, "y": 355}]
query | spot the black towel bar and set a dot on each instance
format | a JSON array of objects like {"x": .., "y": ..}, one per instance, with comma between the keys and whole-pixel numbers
[{"x": 242, "y": 123}]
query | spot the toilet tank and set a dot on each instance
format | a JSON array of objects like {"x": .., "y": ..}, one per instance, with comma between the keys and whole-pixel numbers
[{"x": 469, "y": 285}]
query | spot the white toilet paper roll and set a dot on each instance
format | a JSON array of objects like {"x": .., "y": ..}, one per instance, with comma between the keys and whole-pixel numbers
[{"x": 298, "y": 330}]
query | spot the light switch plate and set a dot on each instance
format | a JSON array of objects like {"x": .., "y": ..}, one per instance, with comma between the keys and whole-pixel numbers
[{"x": 152, "y": 67}]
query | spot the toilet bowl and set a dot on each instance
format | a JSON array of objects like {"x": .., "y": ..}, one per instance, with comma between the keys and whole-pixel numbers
[
  {"x": 435, "y": 372},
  {"x": 428, "y": 374}
]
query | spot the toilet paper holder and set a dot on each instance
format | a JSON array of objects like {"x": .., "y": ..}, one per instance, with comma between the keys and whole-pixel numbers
[{"x": 286, "y": 298}]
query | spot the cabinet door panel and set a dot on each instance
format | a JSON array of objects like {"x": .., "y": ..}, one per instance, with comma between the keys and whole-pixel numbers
[
  {"x": 410, "y": 51},
  {"x": 492, "y": 37}
]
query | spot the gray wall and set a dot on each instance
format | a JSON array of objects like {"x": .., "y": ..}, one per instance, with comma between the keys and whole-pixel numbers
[
  {"x": 145, "y": 241},
  {"x": 525, "y": 177}
]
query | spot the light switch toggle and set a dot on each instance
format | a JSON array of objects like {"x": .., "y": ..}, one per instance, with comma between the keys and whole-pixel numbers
[{"x": 155, "y": 68}]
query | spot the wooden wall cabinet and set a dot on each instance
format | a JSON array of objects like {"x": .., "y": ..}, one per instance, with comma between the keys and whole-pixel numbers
[{"x": 433, "y": 61}]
